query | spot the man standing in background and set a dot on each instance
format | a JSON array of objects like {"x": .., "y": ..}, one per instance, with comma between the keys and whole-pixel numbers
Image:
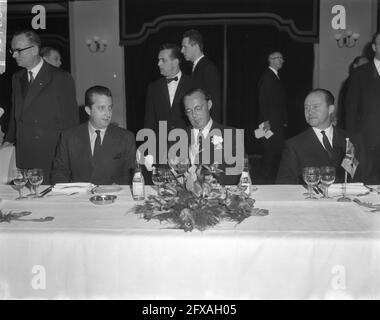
[
  {"x": 164, "y": 96},
  {"x": 44, "y": 104},
  {"x": 272, "y": 108},
  {"x": 52, "y": 56},
  {"x": 204, "y": 71},
  {"x": 362, "y": 106}
]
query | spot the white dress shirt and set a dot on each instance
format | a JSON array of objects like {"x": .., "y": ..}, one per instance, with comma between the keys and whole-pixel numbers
[
  {"x": 196, "y": 62},
  {"x": 329, "y": 133},
  {"x": 92, "y": 133},
  {"x": 172, "y": 87},
  {"x": 36, "y": 69},
  {"x": 194, "y": 148}
]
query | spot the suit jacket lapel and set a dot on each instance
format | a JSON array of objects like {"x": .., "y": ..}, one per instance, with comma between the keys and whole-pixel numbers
[
  {"x": 317, "y": 146},
  {"x": 178, "y": 92},
  {"x": 84, "y": 145},
  {"x": 165, "y": 94},
  {"x": 39, "y": 83}
]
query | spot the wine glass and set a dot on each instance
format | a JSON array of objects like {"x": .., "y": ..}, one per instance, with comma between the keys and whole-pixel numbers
[
  {"x": 327, "y": 178},
  {"x": 156, "y": 178},
  {"x": 19, "y": 180},
  {"x": 311, "y": 176},
  {"x": 35, "y": 177}
]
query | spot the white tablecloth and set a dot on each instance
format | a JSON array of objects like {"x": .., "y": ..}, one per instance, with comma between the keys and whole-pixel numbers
[
  {"x": 7, "y": 163},
  {"x": 319, "y": 249}
]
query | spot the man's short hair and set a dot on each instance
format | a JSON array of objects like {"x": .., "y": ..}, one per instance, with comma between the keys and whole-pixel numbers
[
  {"x": 100, "y": 90},
  {"x": 195, "y": 37},
  {"x": 46, "y": 51},
  {"x": 329, "y": 98},
  {"x": 374, "y": 37},
  {"x": 197, "y": 89},
  {"x": 33, "y": 37},
  {"x": 175, "y": 51}
]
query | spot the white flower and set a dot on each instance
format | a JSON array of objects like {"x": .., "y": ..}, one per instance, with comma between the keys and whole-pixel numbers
[
  {"x": 148, "y": 162},
  {"x": 217, "y": 141}
]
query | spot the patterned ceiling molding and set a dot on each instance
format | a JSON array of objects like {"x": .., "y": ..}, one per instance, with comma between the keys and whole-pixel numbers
[{"x": 287, "y": 25}]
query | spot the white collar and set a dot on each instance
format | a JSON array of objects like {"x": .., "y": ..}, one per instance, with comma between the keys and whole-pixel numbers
[
  {"x": 274, "y": 70},
  {"x": 36, "y": 68},
  {"x": 197, "y": 60},
  {"x": 205, "y": 130},
  {"x": 178, "y": 75},
  {"x": 377, "y": 63},
  {"x": 91, "y": 129}
]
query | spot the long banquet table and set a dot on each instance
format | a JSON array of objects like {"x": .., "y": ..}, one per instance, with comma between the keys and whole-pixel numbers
[{"x": 304, "y": 249}]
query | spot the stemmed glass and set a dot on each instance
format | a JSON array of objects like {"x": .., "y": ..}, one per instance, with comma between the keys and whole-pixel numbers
[
  {"x": 19, "y": 180},
  {"x": 311, "y": 176},
  {"x": 35, "y": 177},
  {"x": 156, "y": 178},
  {"x": 327, "y": 179}
]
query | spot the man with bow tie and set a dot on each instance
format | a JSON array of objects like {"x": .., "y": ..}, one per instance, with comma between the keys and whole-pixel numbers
[
  {"x": 44, "y": 104},
  {"x": 164, "y": 96},
  {"x": 321, "y": 145},
  {"x": 96, "y": 151},
  {"x": 211, "y": 142}
]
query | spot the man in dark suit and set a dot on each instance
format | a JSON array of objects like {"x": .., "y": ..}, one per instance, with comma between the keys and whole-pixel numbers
[
  {"x": 362, "y": 105},
  {"x": 205, "y": 71},
  {"x": 272, "y": 111},
  {"x": 320, "y": 145},
  {"x": 164, "y": 96},
  {"x": 211, "y": 142},
  {"x": 44, "y": 104},
  {"x": 96, "y": 151}
]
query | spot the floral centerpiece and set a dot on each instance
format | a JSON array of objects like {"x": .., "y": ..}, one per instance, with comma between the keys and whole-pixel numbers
[{"x": 194, "y": 199}]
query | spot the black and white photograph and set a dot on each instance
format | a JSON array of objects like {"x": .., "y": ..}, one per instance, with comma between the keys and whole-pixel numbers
[{"x": 189, "y": 154}]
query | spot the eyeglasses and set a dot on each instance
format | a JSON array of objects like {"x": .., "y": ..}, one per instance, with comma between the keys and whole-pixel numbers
[
  {"x": 281, "y": 58},
  {"x": 197, "y": 109},
  {"x": 12, "y": 51}
]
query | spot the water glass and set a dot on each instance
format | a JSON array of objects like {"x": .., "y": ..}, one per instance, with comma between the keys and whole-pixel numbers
[
  {"x": 311, "y": 176},
  {"x": 35, "y": 177},
  {"x": 19, "y": 180},
  {"x": 327, "y": 179}
]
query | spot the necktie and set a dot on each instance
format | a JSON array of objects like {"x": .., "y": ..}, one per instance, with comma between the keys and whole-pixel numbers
[
  {"x": 31, "y": 78},
  {"x": 327, "y": 144},
  {"x": 168, "y": 80},
  {"x": 97, "y": 143},
  {"x": 200, "y": 145}
]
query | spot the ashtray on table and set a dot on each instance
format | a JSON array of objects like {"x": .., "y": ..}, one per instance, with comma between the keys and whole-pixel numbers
[{"x": 103, "y": 199}]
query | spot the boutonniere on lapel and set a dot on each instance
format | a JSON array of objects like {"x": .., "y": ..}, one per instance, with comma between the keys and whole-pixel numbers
[{"x": 217, "y": 142}]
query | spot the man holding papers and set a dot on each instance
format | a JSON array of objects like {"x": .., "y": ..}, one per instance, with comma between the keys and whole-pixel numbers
[
  {"x": 96, "y": 151},
  {"x": 321, "y": 145},
  {"x": 273, "y": 118}
]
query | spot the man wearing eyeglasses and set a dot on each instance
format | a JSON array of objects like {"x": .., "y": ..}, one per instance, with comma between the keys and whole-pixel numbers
[
  {"x": 211, "y": 142},
  {"x": 44, "y": 104},
  {"x": 272, "y": 111}
]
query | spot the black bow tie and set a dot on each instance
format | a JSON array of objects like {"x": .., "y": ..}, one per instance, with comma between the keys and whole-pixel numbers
[{"x": 168, "y": 80}]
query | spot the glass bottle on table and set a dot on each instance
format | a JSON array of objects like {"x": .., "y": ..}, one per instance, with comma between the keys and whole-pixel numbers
[
  {"x": 245, "y": 178},
  {"x": 138, "y": 185}
]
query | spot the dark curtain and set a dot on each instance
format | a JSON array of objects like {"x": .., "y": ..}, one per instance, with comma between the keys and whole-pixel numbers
[
  {"x": 141, "y": 65},
  {"x": 248, "y": 49}
]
